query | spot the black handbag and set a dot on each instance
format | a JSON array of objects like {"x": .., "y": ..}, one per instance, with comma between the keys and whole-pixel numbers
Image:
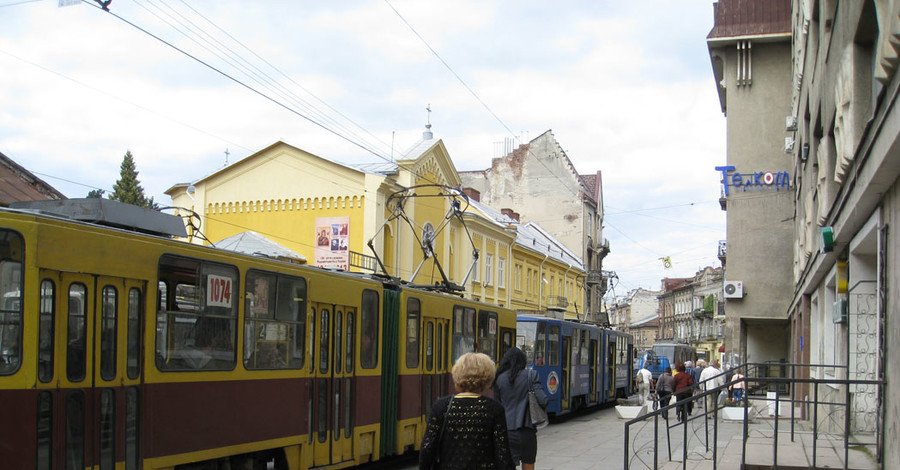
[{"x": 436, "y": 463}]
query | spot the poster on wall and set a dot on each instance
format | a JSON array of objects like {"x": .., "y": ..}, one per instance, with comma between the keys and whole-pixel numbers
[{"x": 331, "y": 241}]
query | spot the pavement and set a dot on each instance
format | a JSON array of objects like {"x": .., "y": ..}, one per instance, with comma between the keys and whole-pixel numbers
[{"x": 595, "y": 439}]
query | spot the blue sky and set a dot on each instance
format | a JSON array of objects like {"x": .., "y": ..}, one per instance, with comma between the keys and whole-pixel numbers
[{"x": 626, "y": 87}]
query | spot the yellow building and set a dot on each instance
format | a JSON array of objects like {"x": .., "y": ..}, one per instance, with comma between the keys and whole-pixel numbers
[{"x": 312, "y": 206}]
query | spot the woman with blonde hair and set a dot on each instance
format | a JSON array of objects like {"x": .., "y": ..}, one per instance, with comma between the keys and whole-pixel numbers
[{"x": 467, "y": 430}]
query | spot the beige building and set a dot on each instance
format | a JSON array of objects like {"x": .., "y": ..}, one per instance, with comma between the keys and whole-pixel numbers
[
  {"x": 750, "y": 50},
  {"x": 538, "y": 180},
  {"x": 638, "y": 305},
  {"x": 698, "y": 313}
]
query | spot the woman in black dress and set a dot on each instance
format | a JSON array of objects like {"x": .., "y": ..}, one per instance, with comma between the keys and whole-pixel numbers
[{"x": 467, "y": 430}]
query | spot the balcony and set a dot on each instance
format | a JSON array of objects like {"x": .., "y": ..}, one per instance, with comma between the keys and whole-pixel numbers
[
  {"x": 556, "y": 302},
  {"x": 363, "y": 261},
  {"x": 594, "y": 277},
  {"x": 723, "y": 247}
]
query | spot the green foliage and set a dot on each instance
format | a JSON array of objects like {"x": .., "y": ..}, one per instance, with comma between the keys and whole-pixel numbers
[
  {"x": 128, "y": 188},
  {"x": 709, "y": 303},
  {"x": 95, "y": 193}
]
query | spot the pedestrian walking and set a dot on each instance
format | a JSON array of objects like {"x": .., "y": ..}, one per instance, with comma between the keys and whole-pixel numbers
[
  {"x": 664, "y": 389},
  {"x": 737, "y": 385},
  {"x": 467, "y": 430},
  {"x": 511, "y": 389},
  {"x": 682, "y": 385},
  {"x": 711, "y": 378},
  {"x": 644, "y": 380}
]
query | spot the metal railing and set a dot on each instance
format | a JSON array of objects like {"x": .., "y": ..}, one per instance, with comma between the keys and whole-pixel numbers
[{"x": 824, "y": 406}]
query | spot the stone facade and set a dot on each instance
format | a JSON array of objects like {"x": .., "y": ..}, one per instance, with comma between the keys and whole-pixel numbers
[
  {"x": 538, "y": 181},
  {"x": 846, "y": 159}
]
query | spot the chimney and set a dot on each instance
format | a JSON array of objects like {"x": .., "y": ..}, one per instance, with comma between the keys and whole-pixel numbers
[
  {"x": 510, "y": 213},
  {"x": 473, "y": 194}
]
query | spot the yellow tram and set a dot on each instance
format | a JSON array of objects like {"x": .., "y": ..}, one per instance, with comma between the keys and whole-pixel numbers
[{"x": 124, "y": 350}]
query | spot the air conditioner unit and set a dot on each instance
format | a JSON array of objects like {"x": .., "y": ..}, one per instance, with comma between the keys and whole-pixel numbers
[
  {"x": 734, "y": 290},
  {"x": 790, "y": 124},
  {"x": 788, "y": 144}
]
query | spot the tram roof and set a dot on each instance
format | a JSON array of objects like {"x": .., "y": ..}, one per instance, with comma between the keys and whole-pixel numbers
[{"x": 110, "y": 213}]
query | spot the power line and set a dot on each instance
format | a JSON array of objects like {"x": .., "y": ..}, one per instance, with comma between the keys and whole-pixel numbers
[{"x": 248, "y": 87}]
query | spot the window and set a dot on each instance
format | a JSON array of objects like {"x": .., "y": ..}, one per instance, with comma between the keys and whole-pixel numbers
[
  {"x": 133, "y": 358},
  {"x": 46, "y": 331},
  {"x": 368, "y": 354},
  {"x": 488, "y": 269},
  {"x": 197, "y": 316},
  {"x": 275, "y": 321},
  {"x": 501, "y": 272},
  {"x": 44, "y": 431},
  {"x": 12, "y": 254},
  {"x": 487, "y": 333},
  {"x": 553, "y": 345},
  {"x": 76, "y": 326},
  {"x": 518, "y": 277},
  {"x": 109, "y": 305},
  {"x": 107, "y": 428},
  {"x": 463, "y": 331},
  {"x": 475, "y": 269},
  {"x": 412, "y": 333}
]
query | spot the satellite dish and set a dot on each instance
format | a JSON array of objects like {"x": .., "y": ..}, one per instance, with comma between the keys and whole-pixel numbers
[{"x": 428, "y": 239}]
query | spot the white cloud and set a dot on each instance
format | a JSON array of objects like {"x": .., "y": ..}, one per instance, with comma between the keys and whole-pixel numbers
[{"x": 622, "y": 94}]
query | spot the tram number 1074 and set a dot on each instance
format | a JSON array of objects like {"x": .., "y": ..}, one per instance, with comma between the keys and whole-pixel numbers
[{"x": 218, "y": 291}]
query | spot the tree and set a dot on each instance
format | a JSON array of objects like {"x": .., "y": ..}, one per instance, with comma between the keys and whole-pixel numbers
[
  {"x": 128, "y": 188},
  {"x": 95, "y": 193}
]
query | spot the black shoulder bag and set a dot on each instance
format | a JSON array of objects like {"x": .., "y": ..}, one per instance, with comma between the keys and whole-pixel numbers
[{"x": 436, "y": 463}]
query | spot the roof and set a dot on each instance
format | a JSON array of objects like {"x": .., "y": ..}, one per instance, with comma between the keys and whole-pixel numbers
[
  {"x": 252, "y": 243},
  {"x": 750, "y": 18},
  {"x": 532, "y": 236},
  {"x": 18, "y": 184},
  {"x": 649, "y": 321}
]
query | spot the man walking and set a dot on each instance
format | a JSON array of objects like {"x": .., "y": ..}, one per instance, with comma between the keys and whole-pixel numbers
[
  {"x": 711, "y": 378},
  {"x": 644, "y": 380}
]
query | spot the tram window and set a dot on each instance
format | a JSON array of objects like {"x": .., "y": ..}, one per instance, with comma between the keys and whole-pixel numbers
[
  {"x": 463, "y": 331},
  {"x": 553, "y": 345},
  {"x": 576, "y": 349},
  {"x": 133, "y": 335},
  {"x": 487, "y": 334},
  {"x": 368, "y": 354},
  {"x": 75, "y": 346},
  {"x": 11, "y": 282},
  {"x": 324, "y": 324},
  {"x": 196, "y": 327},
  {"x": 46, "y": 331},
  {"x": 338, "y": 332},
  {"x": 583, "y": 345},
  {"x": 412, "y": 333},
  {"x": 429, "y": 346},
  {"x": 540, "y": 344},
  {"x": 525, "y": 340},
  {"x": 350, "y": 338},
  {"x": 275, "y": 321},
  {"x": 440, "y": 341},
  {"x": 109, "y": 305}
]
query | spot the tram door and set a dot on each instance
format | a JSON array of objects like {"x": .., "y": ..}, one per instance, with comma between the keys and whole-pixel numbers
[
  {"x": 332, "y": 385},
  {"x": 89, "y": 371},
  {"x": 435, "y": 381}
]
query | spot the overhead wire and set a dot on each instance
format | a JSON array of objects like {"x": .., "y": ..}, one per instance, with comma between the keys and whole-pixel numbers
[
  {"x": 202, "y": 38},
  {"x": 244, "y": 85}
]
